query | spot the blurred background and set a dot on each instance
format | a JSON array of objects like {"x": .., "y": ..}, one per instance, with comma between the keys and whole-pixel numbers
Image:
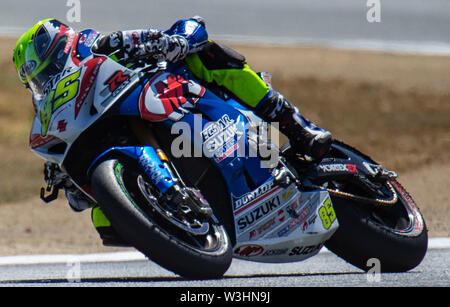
[{"x": 375, "y": 73}]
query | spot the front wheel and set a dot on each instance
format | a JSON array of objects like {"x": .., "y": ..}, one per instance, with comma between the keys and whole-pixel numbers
[{"x": 200, "y": 250}]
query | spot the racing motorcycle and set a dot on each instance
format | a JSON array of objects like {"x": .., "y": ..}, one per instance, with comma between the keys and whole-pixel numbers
[{"x": 177, "y": 167}]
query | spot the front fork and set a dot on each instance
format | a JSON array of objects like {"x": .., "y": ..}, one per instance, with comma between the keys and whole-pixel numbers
[{"x": 161, "y": 172}]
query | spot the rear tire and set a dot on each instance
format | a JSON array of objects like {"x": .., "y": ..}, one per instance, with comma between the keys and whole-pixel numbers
[
  {"x": 364, "y": 233},
  {"x": 160, "y": 244},
  {"x": 395, "y": 234}
]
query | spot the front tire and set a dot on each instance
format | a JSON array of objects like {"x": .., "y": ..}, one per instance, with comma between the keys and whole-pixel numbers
[{"x": 114, "y": 185}]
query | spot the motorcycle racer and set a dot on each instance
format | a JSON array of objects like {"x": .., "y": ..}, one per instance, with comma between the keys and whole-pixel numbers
[{"x": 41, "y": 53}]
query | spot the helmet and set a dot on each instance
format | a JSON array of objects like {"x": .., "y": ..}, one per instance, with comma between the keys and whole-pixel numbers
[{"x": 41, "y": 53}]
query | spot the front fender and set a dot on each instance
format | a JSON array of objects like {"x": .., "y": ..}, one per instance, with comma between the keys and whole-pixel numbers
[{"x": 147, "y": 158}]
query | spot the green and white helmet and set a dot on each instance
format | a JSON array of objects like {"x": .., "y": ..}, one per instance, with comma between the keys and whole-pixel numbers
[{"x": 42, "y": 52}]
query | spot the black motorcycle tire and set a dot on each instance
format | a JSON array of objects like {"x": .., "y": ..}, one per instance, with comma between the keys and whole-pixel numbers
[
  {"x": 362, "y": 238},
  {"x": 155, "y": 242}
]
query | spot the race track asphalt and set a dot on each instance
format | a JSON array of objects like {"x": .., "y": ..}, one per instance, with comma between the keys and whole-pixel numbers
[{"x": 322, "y": 270}]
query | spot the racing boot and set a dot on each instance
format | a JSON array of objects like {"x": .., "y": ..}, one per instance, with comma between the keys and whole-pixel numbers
[{"x": 305, "y": 137}]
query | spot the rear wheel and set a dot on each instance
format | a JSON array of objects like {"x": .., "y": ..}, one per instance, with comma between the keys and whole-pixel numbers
[
  {"x": 178, "y": 239},
  {"x": 395, "y": 235},
  {"x": 377, "y": 217}
]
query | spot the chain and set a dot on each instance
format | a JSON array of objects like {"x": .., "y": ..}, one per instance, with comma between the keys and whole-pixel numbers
[{"x": 376, "y": 201}]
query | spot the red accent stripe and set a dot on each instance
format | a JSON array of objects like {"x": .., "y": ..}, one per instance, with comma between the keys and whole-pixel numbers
[
  {"x": 36, "y": 140},
  {"x": 73, "y": 53},
  {"x": 89, "y": 77},
  {"x": 257, "y": 200}
]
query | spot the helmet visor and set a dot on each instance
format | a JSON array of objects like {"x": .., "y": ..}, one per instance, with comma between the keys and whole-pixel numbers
[{"x": 42, "y": 42}]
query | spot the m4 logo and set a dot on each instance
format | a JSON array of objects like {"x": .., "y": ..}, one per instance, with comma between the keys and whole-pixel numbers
[
  {"x": 116, "y": 80},
  {"x": 65, "y": 90}
]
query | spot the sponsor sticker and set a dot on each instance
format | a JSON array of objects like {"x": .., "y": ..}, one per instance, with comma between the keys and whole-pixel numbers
[
  {"x": 219, "y": 138},
  {"x": 263, "y": 228},
  {"x": 151, "y": 168},
  {"x": 167, "y": 95},
  {"x": 275, "y": 252},
  {"x": 91, "y": 39},
  {"x": 300, "y": 218},
  {"x": 338, "y": 167},
  {"x": 117, "y": 82},
  {"x": 251, "y": 196},
  {"x": 305, "y": 250},
  {"x": 250, "y": 250},
  {"x": 258, "y": 213}
]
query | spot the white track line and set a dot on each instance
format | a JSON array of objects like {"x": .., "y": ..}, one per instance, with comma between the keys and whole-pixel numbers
[
  {"x": 439, "y": 243},
  {"x": 84, "y": 258},
  {"x": 433, "y": 243}
]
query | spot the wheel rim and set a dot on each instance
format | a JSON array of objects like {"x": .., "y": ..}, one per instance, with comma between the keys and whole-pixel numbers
[
  {"x": 210, "y": 240},
  {"x": 182, "y": 220},
  {"x": 401, "y": 218}
]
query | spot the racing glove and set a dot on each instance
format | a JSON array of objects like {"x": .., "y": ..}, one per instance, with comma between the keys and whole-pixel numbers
[
  {"x": 151, "y": 45},
  {"x": 162, "y": 47}
]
